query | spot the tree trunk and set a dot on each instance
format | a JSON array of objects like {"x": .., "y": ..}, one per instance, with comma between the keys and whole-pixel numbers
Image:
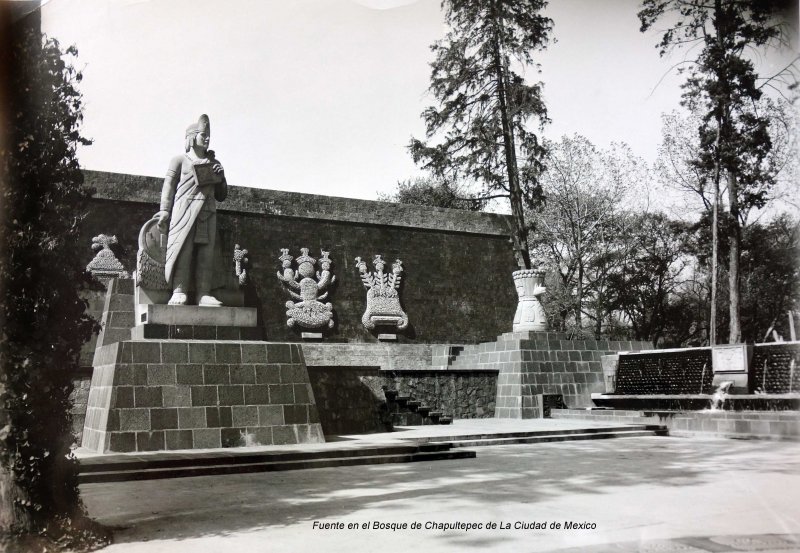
[
  {"x": 598, "y": 327},
  {"x": 519, "y": 234},
  {"x": 12, "y": 518},
  {"x": 734, "y": 243},
  {"x": 712, "y": 331},
  {"x": 579, "y": 299}
]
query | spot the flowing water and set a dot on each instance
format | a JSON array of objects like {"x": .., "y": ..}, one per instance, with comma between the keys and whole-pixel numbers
[{"x": 720, "y": 395}]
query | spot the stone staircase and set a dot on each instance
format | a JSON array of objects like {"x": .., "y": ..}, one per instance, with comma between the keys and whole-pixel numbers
[
  {"x": 407, "y": 411},
  {"x": 127, "y": 467},
  {"x": 546, "y": 436}
]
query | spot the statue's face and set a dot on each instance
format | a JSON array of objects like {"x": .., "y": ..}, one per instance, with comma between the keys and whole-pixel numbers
[{"x": 202, "y": 139}]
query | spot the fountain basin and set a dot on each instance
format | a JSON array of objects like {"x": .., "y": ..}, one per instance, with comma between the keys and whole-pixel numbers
[{"x": 697, "y": 402}]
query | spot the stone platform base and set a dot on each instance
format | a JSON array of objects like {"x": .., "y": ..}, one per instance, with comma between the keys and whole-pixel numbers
[
  {"x": 537, "y": 370},
  {"x": 151, "y": 331},
  {"x": 197, "y": 315},
  {"x": 158, "y": 395}
]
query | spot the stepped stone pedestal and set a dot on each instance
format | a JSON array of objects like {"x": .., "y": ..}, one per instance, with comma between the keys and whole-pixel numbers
[
  {"x": 539, "y": 370},
  {"x": 162, "y": 394}
]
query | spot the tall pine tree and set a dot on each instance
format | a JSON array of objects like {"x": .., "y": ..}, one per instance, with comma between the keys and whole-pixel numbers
[{"x": 481, "y": 128}]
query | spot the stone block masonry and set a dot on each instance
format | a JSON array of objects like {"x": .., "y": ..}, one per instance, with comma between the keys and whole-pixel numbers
[
  {"x": 167, "y": 394},
  {"x": 533, "y": 365}
]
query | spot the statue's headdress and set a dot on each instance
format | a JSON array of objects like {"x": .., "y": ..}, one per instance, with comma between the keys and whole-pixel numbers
[{"x": 202, "y": 125}]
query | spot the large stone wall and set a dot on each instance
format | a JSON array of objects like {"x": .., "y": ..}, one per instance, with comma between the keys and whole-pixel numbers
[
  {"x": 456, "y": 282},
  {"x": 465, "y": 394}
]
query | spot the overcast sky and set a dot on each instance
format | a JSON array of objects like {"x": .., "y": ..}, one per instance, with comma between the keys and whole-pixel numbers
[{"x": 322, "y": 96}]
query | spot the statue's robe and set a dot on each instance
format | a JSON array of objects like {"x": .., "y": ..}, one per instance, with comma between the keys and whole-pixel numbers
[{"x": 193, "y": 208}]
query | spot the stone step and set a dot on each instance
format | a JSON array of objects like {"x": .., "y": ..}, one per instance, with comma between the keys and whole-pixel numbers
[
  {"x": 407, "y": 419},
  {"x": 407, "y": 411},
  {"x": 604, "y": 415},
  {"x": 555, "y": 438},
  {"x": 391, "y": 395},
  {"x": 94, "y": 470},
  {"x": 542, "y": 433},
  {"x": 402, "y": 400}
]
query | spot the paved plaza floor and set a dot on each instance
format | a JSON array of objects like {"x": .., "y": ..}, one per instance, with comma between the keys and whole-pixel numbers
[{"x": 629, "y": 494}]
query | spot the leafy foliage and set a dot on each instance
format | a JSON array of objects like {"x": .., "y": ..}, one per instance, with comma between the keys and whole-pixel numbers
[
  {"x": 581, "y": 227},
  {"x": 481, "y": 129},
  {"x": 771, "y": 282},
  {"x": 678, "y": 170},
  {"x": 651, "y": 275},
  {"x": 433, "y": 193},
  {"x": 722, "y": 87},
  {"x": 42, "y": 318}
]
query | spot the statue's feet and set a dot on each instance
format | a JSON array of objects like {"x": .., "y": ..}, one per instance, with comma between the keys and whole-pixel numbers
[
  {"x": 178, "y": 298},
  {"x": 209, "y": 301}
]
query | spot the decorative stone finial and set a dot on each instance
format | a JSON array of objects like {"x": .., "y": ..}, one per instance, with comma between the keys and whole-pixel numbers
[{"x": 105, "y": 264}]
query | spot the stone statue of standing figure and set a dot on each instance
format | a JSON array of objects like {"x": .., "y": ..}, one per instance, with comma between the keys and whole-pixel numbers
[{"x": 194, "y": 183}]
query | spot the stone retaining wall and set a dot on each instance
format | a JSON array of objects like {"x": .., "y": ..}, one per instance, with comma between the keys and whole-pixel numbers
[
  {"x": 350, "y": 400},
  {"x": 456, "y": 284},
  {"x": 740, "y": 424}
]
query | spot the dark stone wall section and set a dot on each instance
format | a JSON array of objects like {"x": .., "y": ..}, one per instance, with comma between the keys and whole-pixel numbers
[
  {"x": 775, "y": 368},
  {"x": 681, "y": 372},
  {"x": 459, "y": 394},
  {"x": 350, "y": 400},
  {"x": 456, "y": 285}
]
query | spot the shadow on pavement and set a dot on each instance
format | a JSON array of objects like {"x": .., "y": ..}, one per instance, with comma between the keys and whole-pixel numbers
[{"x": 220, "y": 505}]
